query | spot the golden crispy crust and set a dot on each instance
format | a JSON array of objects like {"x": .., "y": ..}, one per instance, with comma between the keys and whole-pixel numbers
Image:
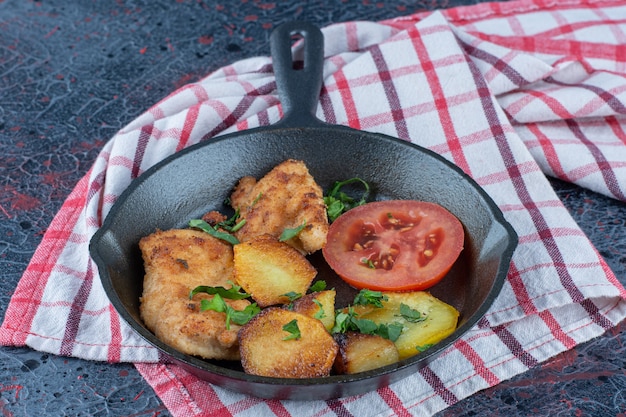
[
  {"x": 359, "y": 352},
  {"x": 176, "y": 261},
  {"x": 285, "y": 198},
  {"x": 268, "y": 269},
  {"x": 265, "y": 352},
  {"x": 319, "y": 305}
]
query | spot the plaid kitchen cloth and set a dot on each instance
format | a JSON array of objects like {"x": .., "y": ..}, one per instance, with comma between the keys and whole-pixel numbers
[{"x": 509, "y": 92}]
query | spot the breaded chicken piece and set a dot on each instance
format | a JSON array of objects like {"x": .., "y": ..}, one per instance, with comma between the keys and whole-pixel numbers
[
  {"x": 176, "y": 261},
  {"x": 284, "y": 198}
]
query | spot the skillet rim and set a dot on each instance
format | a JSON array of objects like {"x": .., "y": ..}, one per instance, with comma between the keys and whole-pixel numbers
[{"x": 396, "y": 371}]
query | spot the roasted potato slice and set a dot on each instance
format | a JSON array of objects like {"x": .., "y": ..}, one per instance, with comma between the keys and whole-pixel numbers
[
  {"x": 266, "y": 350},
  {"x": 319, "y": 305},
  {"x": 267, "y": 269},
  {"x": 438, "y": 319},
  {"x": 360, "y": 352}
]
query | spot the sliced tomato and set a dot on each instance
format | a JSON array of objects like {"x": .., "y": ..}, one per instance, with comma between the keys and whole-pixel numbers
[{"x": 395, "y": 245}]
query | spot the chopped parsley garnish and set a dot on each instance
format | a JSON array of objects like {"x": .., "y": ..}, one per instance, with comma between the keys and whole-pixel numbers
[
  {"x": 368, "y": 262},
  {"x": 233, "y": 293},
  {"x": 318, "y": 286},
  {"x": 410, "y": 314},
  {"x": 231, "y": 224},
  {"x": 337, "y": 202},
  {"x": 292, "y": 295},
  {"x": 320, "y": 313},
  {"x": 348, "y": 321},
  {"x": 218, "y": 304},
  {"x": 366, "y": 297},
  {"x": 213, "y": 231},
  {"x": 391, "y": 331},
  {"x": 239, "y": 317},
  {"x": 344, "y": 321},
  {"x": 422, "y": 348},
  {"x": 256, "y": 199},
  {"x": 293, "y": 330},
  {"x": 290, "y": 233}
]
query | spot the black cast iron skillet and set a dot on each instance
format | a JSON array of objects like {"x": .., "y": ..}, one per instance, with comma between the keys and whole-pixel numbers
[{"x": 197, "y": 179}]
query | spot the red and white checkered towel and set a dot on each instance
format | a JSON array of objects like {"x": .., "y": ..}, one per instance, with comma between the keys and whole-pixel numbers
[{"x": 507, "y": 91}]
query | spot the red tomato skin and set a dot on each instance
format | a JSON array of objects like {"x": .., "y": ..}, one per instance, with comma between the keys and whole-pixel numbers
[{"x": 420, "y": 241}]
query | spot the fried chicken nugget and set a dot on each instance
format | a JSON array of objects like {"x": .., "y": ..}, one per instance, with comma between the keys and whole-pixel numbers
[
  {"x": 285, "y": 198},
  {"x": 176, "y": 261}
]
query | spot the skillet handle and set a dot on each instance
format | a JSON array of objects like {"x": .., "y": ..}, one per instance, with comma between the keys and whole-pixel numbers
[{"x": 298, "y": 85}]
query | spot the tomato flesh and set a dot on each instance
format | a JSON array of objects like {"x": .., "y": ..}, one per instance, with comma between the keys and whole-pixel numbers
[{"x": 395, "y": 245}]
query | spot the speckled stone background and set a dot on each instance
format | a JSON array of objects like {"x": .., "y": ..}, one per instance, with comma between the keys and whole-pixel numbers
[{"x": 73, "y": 72}]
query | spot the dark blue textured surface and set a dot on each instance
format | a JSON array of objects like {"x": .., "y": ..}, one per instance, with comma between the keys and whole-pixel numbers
[{"x": 72, "y": 73}]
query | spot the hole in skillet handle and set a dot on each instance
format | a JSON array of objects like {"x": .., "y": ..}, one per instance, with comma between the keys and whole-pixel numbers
[
  {"x": 297, "y": 62},
  {"x": 298, "y": 78}
]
